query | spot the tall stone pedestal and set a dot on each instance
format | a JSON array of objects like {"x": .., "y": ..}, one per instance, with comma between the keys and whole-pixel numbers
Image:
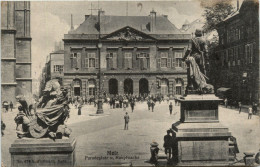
[
  {"x": 200, "y": 138},
  {"x": 43, "y": 152}
]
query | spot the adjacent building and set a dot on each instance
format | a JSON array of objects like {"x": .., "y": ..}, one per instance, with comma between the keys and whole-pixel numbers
[
  {"x": 235, "y": 62},
  {"x": 15, "y": 50},
  {"x": 56, "y": 65},
  {"x": 138, "y": 55}
]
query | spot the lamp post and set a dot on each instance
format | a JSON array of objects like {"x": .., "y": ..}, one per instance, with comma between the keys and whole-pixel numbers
[{"x": 99, "y": 45}]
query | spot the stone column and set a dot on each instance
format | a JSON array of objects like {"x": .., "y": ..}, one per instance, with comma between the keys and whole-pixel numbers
[
  {"x": 120, "y": 85},
  {"x": 120, "y": 58},
  {"x": 135, "y": 86},
  {"x": 152, "y": 86},
  {"x": 106, "y": 85},
  {"x": 170, "y": 87},
  {"x": 153, "y": 52},
  {"x": 171, "y": 55}
]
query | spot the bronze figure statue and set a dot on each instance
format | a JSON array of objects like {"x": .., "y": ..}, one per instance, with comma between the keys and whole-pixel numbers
[{"x": 195, "y": 60}]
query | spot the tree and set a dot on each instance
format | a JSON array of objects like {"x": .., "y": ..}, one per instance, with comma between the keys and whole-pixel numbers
[{"x": 215, "y": 13}]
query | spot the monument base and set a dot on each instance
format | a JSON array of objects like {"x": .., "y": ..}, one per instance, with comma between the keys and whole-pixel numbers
[
  {"x": 44, "y": 152},
  {"x": 201, "y": 143},
  {"x": 199, "y": 138}
]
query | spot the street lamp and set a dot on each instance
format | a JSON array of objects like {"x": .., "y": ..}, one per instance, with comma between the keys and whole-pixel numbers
[{"x": 99, "y": 46}]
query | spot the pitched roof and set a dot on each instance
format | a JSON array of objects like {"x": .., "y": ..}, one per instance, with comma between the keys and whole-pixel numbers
[
  {"x": 191, "y": 27},
  {"x": 111, "y": 23}
]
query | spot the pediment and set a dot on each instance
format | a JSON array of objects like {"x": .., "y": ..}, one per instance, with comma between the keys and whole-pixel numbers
[{"x": 128, "y": 34}]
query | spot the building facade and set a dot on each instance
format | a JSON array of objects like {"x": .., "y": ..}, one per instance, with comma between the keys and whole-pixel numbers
[
  {"x": 235, "y": 62},
  {"x": 57, "y": 65},
  {"x": 15, "y": 50},
  {"x": 139, "y": 55}
]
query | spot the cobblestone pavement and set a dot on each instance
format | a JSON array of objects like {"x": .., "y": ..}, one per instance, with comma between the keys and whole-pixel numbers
[{"x": 96, "y": 135}]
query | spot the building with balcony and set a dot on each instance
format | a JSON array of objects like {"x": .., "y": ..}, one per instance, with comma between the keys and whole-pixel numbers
[
  {"x": 139, "y": 55},
  {"x": 15, "y": 50},
  {"x": 235, "y": 62}
]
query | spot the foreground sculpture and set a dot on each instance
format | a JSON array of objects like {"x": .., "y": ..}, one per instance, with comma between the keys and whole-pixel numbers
[
  {"x": 49, "y": 120},
  {"x": 195, "y": 60},
  {"x": 198, "y": 137}
]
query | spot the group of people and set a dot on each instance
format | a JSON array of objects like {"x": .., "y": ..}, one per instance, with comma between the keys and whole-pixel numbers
[
  {"x": 7, "y": 105},
  {"x": 252, "y": 109}
]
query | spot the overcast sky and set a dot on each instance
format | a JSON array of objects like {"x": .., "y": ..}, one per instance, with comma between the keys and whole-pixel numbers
[{"x": 51, "y": 20}]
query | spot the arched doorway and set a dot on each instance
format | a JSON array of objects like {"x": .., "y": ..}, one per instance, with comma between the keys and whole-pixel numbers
[
  {"x": 164, "y": 86},
  {"x": 179, "y": 86},
  {"x": 113, "y": 86},
  {"x": 77, "y": 87},
  {"x": 128, "y": 86},
  {"x": 143, "y": 87}
]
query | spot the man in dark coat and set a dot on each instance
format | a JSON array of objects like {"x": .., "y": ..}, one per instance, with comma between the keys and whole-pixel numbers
[
  {"x": 132, "y": 105},
  {"x": 127, "y": 118},
  {"x": 168, "y": 144}
]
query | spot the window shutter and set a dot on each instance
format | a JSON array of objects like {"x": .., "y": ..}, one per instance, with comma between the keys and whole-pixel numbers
[
  {"x": 159, "y": 63},
  {"x": 169, "y": 63},
  {"x": 246, "y": 54},
  {"x": 71, "y": 59},
  {"x": 145, "y": 63},
  {"x": 126, "y": 61},
  {"x": 96, "y": 63},
  {"x": 78, "y": 60},
  {"x": 131, "y": 61},
  {"x": 115, "y": 61},
  {"x": 86, "y": 63},
  {"x": 251, "y": 53},
  {"x": 74, "y": 63},
  {"x": 108, "y": 60}
]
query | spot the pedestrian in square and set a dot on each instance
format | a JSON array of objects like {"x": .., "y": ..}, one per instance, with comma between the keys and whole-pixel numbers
[
  {"x": 127, "y": 118},
  {"x": 152, "y": 105},
  {"x": 80, "y": 106},
  {"x": 170, "y": 108},
  {"x": 11, "y": 105},
  {"x": 168, "y": 145},
  {"x": 149, "y": 104},
  {"x": 124, "y": 104},
  {"x": 250, "y": 112},
  {"x": 132, "y": 104},
  {"x": 226, "y": 102},
  {"x": 76, "y": 103},
  {"x": 239, "y": 107}
]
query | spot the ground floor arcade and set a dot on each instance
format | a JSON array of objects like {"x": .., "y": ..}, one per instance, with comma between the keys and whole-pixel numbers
[{"x": 87, "y": 85}]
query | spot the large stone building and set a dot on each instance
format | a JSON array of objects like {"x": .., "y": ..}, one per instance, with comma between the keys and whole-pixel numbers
[
  {"x": 139, "y": 55},
  {"x": 15, "y": 50},
  {"x": 235, "y": 63}
]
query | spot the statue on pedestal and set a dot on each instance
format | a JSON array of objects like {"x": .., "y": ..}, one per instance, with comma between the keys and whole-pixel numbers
[
  {"x": 195, "y": 60},
  {"x": 49, "y": 120}
]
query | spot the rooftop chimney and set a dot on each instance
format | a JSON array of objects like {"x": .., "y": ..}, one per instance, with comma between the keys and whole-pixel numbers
[
  {"x": 153, "y": 21},
  {"x": 72, "y": 27}
]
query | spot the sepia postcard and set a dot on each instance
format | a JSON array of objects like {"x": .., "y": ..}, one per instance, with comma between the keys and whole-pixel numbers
[{"x": 130, "y": 83}]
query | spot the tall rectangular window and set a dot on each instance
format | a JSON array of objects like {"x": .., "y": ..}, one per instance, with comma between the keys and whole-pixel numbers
[
  {"x": 164, "y": 59},
  {"x": 178, "y": 59},
  {"x": 128, "y": 63},
  {"x": 75, "y": 58},
  {"x": 92, "y": 60},
  {"x": 144, "y": 60},
  {"x": 111, "y": 60}
]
